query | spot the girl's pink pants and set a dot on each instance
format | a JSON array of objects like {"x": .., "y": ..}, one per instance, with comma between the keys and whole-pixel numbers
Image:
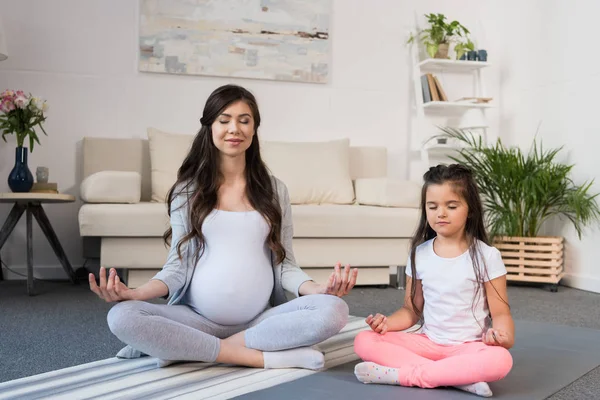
[{"x": 425, "y": 364}]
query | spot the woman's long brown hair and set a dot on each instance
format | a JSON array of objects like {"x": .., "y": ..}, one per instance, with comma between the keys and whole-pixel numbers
[{"x": 199, "y": 177}]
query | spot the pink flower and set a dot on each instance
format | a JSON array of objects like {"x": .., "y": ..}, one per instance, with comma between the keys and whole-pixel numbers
[
  {"x": 7, "y": 106},
  {"x": 7, "y": 93},
  {"x": 21, "y": 101}
]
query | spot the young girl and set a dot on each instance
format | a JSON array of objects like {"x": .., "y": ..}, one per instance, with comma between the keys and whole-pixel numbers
[
  {"x": 231, "y": 258},
  {"x": 457, "y": 282}
]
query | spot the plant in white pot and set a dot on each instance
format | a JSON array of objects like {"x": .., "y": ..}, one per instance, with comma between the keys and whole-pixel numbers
[
  {"x": 520, "y": 191},
  {"x": 440, "y": 34}
]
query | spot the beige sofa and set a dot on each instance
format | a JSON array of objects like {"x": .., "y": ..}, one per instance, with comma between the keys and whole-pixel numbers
[{"x": 120, "y": 216}]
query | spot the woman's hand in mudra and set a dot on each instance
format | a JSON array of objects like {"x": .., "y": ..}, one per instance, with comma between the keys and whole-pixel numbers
[
  {"x": 111, "y": 288},
  {"x": 340, "y": 281}
]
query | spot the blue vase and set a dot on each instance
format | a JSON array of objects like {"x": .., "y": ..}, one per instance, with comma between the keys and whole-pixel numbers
[{"x": 20, "y": 178}]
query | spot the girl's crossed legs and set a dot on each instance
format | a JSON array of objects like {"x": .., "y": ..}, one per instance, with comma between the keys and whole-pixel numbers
[
  {"x": 177, "y": 332},
  {"x": 417, "y": 361}
]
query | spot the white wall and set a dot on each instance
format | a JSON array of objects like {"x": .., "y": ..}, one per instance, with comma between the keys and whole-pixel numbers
[
  {"x": 550, "y": 80},
  {"x": 81, "y": 56}
]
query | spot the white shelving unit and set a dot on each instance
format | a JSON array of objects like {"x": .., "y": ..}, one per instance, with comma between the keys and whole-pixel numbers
[
  {"x": 455, "y": 110},
  {"x": 440, "y": 105},
  {"x": 437, "y": 64}
]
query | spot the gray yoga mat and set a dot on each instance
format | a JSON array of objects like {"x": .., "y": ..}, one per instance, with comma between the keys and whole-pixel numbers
[{"x": 546, "y": 359}]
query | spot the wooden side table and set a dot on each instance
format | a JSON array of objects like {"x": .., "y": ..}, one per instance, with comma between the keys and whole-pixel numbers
[{"x": 31, "y": 204}]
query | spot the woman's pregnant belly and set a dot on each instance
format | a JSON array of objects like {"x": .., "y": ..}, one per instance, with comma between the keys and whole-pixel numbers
[{"x": 233, "y": 288}]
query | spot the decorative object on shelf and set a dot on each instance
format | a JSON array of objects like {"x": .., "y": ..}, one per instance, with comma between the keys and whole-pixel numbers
[
  {"x": 42, "y": 174},
  {"x": 284, "y": 40},
  {"x": 482, "y": 55},
  {"x": 476, "y": 99},
  {"x": 21, "y": 113},
  {"x": 520, "y": 192},
  {"x": 475, "y": 55},
  {"x": 439, "y": 141},
  {"x": 440, "y": 34}
]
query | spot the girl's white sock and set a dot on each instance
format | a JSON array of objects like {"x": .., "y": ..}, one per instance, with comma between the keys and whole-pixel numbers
[
  {"x": 369, "y": 372},
  {"x": 480, "y": 389}
]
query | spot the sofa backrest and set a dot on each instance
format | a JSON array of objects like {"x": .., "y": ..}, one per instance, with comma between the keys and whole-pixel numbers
[
  {"x": 368, "y": 162},
  {"x": 115, "y": 154}
]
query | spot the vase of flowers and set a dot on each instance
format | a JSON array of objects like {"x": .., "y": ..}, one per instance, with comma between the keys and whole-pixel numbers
[{"x": 21, "y": 114}]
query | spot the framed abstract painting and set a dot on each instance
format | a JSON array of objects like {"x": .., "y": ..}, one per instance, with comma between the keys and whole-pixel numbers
[{"x": 286, "y": 40}]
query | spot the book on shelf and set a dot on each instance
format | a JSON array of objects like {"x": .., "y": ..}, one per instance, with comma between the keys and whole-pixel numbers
[
  {"x": 432, "y": 89},
  {"x": 476, "y": 100},
  {"x": 435, "y": 95},
  {"x": 426, "y": 91},
  {"x": 438, "y": 85}
]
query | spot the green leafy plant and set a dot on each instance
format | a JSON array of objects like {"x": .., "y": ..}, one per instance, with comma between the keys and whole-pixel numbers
[
  {"x": 521, "y": 191},
  {"x": 21, "y": 113},
  {"x": 442, "y": 32}
]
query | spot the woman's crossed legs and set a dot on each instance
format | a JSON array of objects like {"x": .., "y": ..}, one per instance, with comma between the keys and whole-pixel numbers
[{"x": 277, "y": 338}]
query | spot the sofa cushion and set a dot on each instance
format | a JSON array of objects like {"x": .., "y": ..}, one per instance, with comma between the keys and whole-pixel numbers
[
  {"x": 319, "y": 221},
  {"x": 146, "y": 219},
  {"x": 344, "y": 221},
  {"x": 314, "y": 172},
  {"x": 387, "y": 192},
  {"x": 167, "y": 152},
  {"x": 112, "y": 187}
]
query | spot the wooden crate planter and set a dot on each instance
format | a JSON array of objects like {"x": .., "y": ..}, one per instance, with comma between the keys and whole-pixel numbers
[{"x": 532, "y": 259}]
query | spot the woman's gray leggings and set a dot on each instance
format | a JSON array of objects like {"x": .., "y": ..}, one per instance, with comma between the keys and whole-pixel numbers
[{"x": 177, "y": 332}]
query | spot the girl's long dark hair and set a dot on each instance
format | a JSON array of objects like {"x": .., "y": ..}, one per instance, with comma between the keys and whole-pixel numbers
[
  {"x": 199, "y": 177},
  {"x": 461, "y": 179}
]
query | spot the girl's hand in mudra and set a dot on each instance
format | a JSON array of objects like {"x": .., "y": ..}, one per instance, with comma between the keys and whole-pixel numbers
[
  {"x": 111, "y": 288},
  {"x": 341, "y": 282},
  {"x": 378, "y": 323},
  {"x": 495, "y": 337}
]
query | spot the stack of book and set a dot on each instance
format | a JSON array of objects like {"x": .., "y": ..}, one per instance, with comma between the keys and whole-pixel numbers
[
  {"x": 432, "y": 89},
  {"x": 44, "y": 188}
]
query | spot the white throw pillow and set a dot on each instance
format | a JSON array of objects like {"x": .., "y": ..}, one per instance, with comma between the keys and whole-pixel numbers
[
  {"x": 167, "y": 152},
  {"x": 112, "y": 187},
  {"x": 314, "y": 172},
  {"x": 388, "y": 192}
]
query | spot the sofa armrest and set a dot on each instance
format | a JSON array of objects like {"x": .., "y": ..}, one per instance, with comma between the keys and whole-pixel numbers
[
  {"x": 387, "y": 192},
  {"x": 112, "y": 187}
]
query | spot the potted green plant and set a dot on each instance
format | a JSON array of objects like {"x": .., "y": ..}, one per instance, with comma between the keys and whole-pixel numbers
[
  {"x": 520, "y": 191},
  {"x": 440, "y": 34},
  {"x": 20, "y": 115}
]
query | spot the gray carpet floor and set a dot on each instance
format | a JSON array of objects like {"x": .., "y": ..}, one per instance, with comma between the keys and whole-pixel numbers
[{"x": 65, "y": 325}]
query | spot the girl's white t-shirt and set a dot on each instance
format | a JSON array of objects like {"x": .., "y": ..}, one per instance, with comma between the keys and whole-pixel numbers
[{"x": 449, "y": 284}]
